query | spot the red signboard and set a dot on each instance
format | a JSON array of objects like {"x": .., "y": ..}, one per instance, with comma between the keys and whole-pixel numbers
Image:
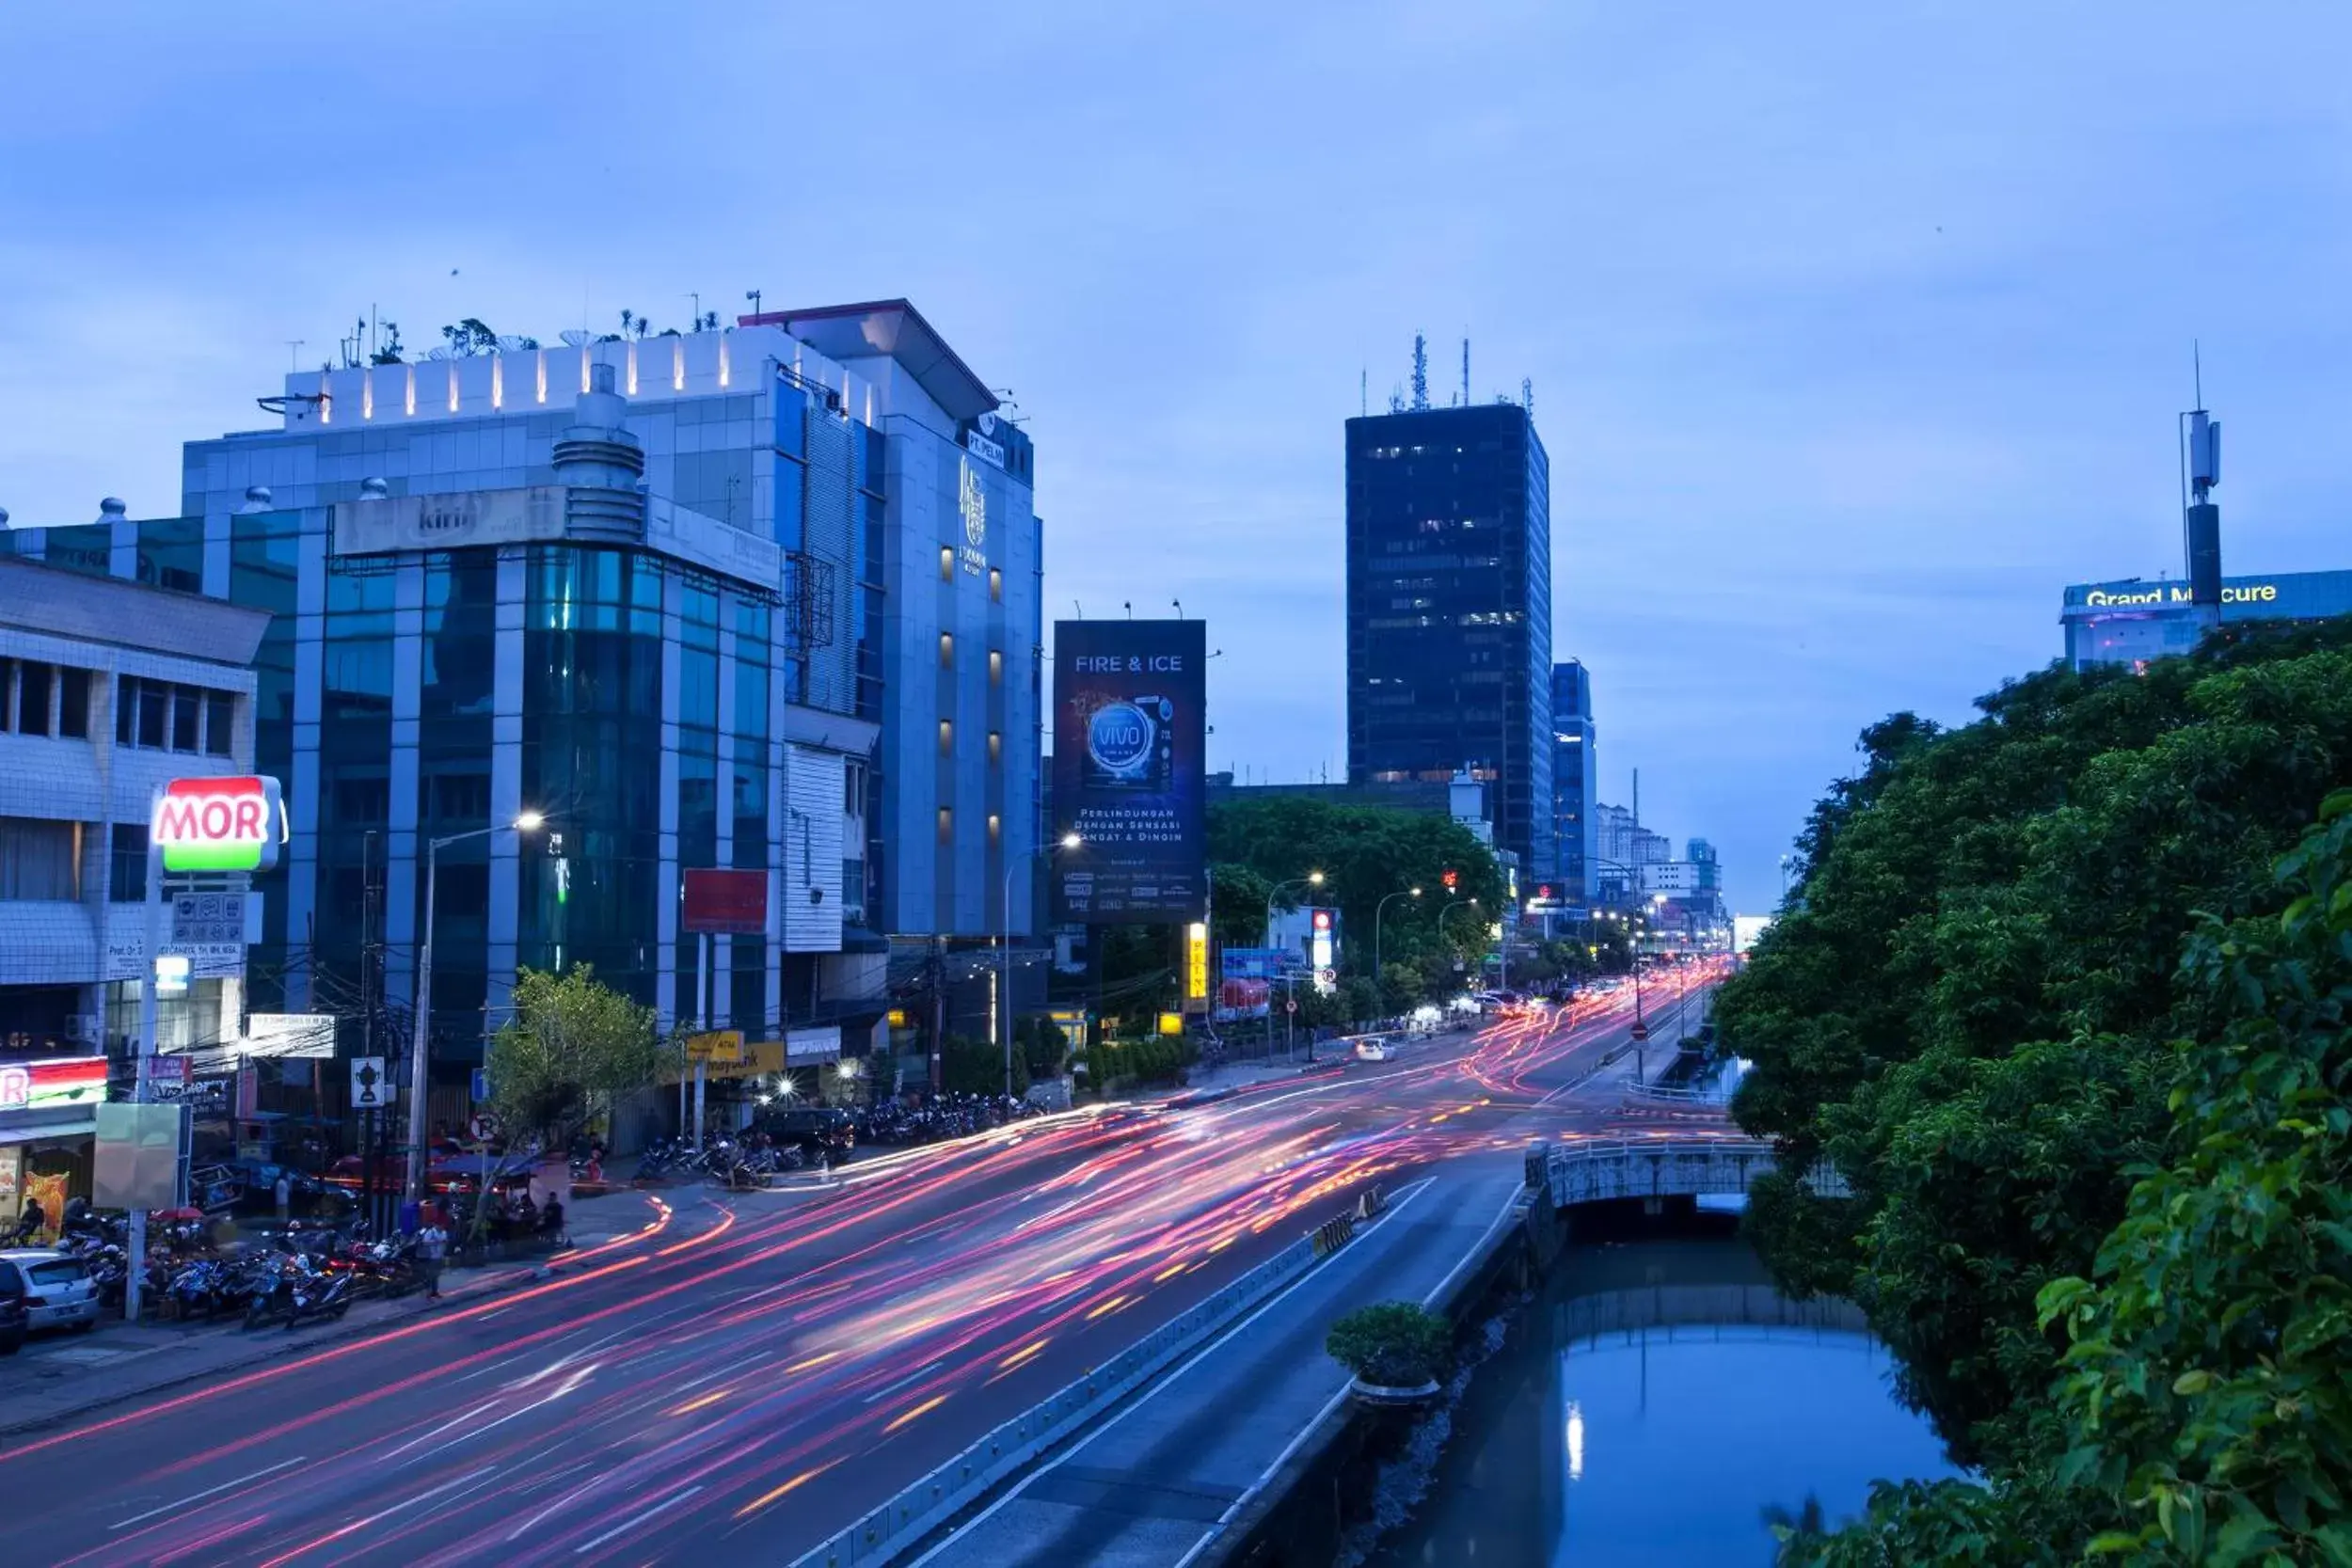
[
  {"x": 56, "y": 1083},
  {"x": 719, "y": 902}
]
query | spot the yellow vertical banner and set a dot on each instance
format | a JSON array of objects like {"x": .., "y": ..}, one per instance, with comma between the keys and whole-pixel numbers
[{"x": 1197, "y": 961}]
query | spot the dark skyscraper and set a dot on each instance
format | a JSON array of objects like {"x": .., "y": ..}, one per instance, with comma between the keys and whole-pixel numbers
[
  {"x": 1574, "y": 764},
  {"x": 1449, "y": 608}
]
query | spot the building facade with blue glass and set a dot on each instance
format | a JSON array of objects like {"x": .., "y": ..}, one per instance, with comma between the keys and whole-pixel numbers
[
  {"x": 662, "y": 589},
  {"x": 1448, "y": 611},
  {"x": 2135, "y": 621},
  {"x": 1575, "y": 764}
]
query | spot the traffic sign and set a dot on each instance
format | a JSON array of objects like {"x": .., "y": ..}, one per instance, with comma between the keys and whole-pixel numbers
[
  {"x": 370, "y": 1089},
  {"x": 1640, "y": 1031},
  {"x": 1291, "y": 1006},
  {"x": 481, "y": 1095}
]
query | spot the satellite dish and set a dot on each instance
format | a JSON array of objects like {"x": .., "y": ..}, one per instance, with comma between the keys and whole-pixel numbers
[
  {"x": 577, "y": 337},
  {"x": 511, "y": 343},
  {"x": 438, "y": 354}
]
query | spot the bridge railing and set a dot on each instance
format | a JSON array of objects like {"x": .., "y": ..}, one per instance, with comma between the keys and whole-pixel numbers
[{"x": 1599, "y": 1170}]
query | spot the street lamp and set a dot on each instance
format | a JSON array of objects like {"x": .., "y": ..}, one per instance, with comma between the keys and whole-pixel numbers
[
  {"x": 1377, "y": 910},
  {"x": 1313, "y": 879},
  {"x": 1004, "y": 950},
  {"x": 525, "y": 822}
]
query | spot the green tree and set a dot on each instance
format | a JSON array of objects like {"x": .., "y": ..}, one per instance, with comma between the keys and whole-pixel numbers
[
  {"x": 573, "y": 1044},
  {"x": 2202, "y": 1410},
  {"x": 1970, "y": 1004}
]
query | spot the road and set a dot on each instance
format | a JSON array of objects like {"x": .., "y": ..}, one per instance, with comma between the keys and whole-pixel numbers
[{"x": 751, "y": 1373}]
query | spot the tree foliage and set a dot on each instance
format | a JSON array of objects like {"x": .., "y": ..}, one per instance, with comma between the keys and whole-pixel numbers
[
  {"x": 2202, "y": 1411},
  {"x": 1970, "y": 1004},
  {"x": 572, "y": 1043}
]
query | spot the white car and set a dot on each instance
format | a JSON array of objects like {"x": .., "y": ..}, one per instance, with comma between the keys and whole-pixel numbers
[
  {"x": 59, "y": 1290},
  {"x": 1372, "y": 1051}
]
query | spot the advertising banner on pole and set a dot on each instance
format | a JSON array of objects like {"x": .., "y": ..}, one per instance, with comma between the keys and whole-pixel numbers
[
  {"x": 720, "y": 900},
  {"x": 1129, "y": 779},
  {"x": 137, "y": 1164}
]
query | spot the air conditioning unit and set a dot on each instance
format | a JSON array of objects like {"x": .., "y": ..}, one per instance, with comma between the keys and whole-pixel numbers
[{"x": 82, "y": 1026}]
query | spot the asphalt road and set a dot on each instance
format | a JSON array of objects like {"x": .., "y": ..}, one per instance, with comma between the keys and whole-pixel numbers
[{"x": 753, "y": 1372}]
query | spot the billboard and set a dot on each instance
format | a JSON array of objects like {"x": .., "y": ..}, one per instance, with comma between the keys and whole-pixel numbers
[
  {"x": 720, "y": 900},
  {"x": 231, "y": 824},
  {"x": 1128, "y": 771}
]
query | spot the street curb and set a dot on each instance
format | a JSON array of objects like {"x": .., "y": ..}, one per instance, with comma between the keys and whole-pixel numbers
[{"x": 288, "y": 1344}]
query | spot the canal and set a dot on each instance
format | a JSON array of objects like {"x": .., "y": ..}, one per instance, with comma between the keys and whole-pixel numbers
[{"x": 1660, "y": 1404}]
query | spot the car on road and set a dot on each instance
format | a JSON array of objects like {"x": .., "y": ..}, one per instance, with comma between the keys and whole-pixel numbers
[
  {"x": 1374, "y": 1049},
  {"x": 56, "y": 1290}
]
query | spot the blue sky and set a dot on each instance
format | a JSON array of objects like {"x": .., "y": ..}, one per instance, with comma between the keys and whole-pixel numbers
[{"x": 1856, "y": 331}]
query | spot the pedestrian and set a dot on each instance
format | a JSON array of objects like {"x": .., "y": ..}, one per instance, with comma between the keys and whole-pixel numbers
[
  {"x": 551, "y": 1220},
  {"x": 432, "y": 1248},
  {"x": 29, "y": 1222},
  {"x": 285, "y": 1197}
]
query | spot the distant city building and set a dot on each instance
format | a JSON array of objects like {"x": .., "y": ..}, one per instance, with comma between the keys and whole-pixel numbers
[
  {"x": 1448, "y": 609},
  {"x": 2135, "y": 621},
  {"x": 1575, "y": 761},
  {"x": 107, "y": 692}
]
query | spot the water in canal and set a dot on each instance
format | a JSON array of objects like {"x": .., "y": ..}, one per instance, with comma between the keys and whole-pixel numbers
[{"x": 1654, "y": 1405}]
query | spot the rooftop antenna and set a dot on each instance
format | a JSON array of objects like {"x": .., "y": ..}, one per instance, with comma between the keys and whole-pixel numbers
[
  {"x": 752, "y": 294},
  {"x": 1129, "y": 606},
  {"x": 694, "y": 298},
  {"x": 1466, "y": 371},
  {"x": 1527, "y": 395},
  {"x": 2199, "y": 436},
  {"x": 1079, "y": 608},
  {"x": 1180, "y": 607},
  {"x": 293, "y": 355},
  {"x": 1420, "y": 373},
  {"x": 1363, "y": 390}
]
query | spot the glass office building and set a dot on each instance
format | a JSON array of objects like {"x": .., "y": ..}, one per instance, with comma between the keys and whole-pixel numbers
[
  {"x": 1448, "y": 609},
  {"x": 1575, "y": 763},
  {"x": 2135, "y": 621},
  {"x": 662, "y": 591}
]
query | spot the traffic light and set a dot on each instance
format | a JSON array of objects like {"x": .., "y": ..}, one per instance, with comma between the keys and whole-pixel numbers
[{"x": 1452, "y": 879}]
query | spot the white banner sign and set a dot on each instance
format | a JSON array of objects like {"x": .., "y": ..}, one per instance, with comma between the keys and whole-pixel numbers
[
  {"x": 126, "y": 958},
  {"x": 444, "y": 522},
  {"x": 306, "y": 1034}
]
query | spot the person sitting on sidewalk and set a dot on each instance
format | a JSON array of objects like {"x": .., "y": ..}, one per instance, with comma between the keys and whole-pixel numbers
[{"x": 551, "y": 1222}]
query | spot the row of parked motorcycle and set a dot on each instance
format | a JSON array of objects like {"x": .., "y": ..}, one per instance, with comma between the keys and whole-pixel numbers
[{"x": 300, "y": 1276}]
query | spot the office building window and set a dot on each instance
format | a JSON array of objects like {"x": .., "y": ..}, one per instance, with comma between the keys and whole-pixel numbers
[
  {"x": 126, "y": 863},
  {"x": 73, "y": 703},
  {"x": 32, "y": 698},
  {"x": 40, "y": 860},
  {"x": 157, "y": 716},
  {"x": 7, "y": 693}
]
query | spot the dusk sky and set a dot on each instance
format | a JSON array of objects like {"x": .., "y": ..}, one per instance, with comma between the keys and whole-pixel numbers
[{"x": 1856, "y": 332}]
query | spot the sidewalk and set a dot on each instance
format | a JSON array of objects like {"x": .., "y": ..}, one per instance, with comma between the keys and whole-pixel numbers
[
  {"x": 58, "y": 1376},
  {"x": 1156, "y": 1482}
]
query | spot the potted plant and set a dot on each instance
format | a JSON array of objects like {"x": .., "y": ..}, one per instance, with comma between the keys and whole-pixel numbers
[{"x": 1398, "y": 1352}]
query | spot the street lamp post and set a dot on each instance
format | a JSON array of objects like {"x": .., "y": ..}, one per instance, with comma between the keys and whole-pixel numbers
[
  {"x": 1313, "y": 879},
  {"x": 525, "y": 822},
  {"x": 1003, "y": 952},
  {"x": 1377, "y": 910}
]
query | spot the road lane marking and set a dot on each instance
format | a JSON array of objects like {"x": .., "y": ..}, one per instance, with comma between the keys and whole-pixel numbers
[
  {"x": 670, "y": 1501},
  {"x": 208, "y": 1492},
  {"x": 1404, "y": 1200}
]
